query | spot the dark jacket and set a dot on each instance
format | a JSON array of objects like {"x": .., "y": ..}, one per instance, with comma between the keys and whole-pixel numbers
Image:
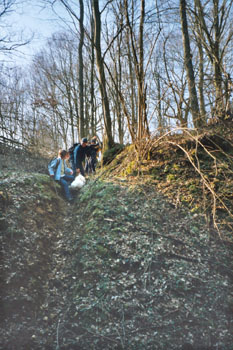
[
  {"x": 79, "y": 155},
  {"x": 93, "y": 150}
]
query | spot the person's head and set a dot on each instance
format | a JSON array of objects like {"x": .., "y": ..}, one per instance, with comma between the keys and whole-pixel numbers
[
  {"x": 84, "y": 142},
  {"x": 63, "y": 154},
  {"x": 93, "y": 141}
]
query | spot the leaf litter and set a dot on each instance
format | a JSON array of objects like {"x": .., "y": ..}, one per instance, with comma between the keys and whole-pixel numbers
[{"x": 122, "y": 268}]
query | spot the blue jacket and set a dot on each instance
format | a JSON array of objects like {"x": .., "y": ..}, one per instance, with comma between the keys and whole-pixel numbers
[{"x": 57, "y": 174}]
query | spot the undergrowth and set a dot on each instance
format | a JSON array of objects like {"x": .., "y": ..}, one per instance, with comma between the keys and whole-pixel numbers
[
  {"x": 141, "y": 271},
  {"x": 194, "y": 170},
  {"x": 134, "y": 263}
]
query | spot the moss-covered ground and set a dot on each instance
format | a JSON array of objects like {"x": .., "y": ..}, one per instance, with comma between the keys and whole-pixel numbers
[{"x": 136, "y": 262}]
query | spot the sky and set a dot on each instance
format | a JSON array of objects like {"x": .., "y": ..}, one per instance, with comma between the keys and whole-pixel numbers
[{"x": 33, "y": 21}]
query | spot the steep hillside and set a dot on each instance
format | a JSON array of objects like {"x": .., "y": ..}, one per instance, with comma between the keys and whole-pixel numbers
[
  {"x": 194, "y": 171},
  {"x": 121, "y": 268},
  {"x": 145, "y": 275}
]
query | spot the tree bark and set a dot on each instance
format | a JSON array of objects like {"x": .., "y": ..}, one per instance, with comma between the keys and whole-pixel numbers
[
  {"x": 138, "y": 57},
  {"x": 80, "y": 72},
  {"x": 132, "y": 90},
  {"x": 189, "y": 67},
  {"x": 201, "y": 83},
  {"x": 211, "y": 36},
  {"x": 141, "y": 101},
  {"x": 93, "y": 124},
  {"x": 108, "y": 139},
  {"x": 217, "y": 67}
]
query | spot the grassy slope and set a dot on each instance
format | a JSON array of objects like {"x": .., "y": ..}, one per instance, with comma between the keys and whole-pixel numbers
[
  {"x": 146, "y": 275},
  {"x": 194, "y": 171},
  {"x": 123, "y": 268},
  {"x": 29, "y": 229}
]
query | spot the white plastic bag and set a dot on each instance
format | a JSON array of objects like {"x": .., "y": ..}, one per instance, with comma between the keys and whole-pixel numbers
[{"x": 78, "y": 182}]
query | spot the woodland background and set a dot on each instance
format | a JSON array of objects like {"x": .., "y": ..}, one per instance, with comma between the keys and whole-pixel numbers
[
  {"x": 124, "y": 70},
  {"x": 143, "y": 257}
]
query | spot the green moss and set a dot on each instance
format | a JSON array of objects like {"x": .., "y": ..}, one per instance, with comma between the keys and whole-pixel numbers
[
  {"x": 176, "y": 167},
  {"x": 155, "y": 172},
  {"x": 102, "y": 251},
  {"x": 131, "y": 168},
  {"x": 111, "y": 153},
  {"x": 170, "y": 177},
  {"x": 28, "y": 181},
  {"x": 46, "y": 188},
  {"x": 89, "y": 192},
  {"x": 193, "y": 188},
  {"x": 41, "y": 178},
  {"x": 195, "y": 209}
]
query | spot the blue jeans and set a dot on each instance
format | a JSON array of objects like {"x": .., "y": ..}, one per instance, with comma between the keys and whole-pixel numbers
[{"x": 65, "y": 182}]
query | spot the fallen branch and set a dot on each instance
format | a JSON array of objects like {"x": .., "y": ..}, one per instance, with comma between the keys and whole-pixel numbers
[{"x": 177, "y": 256}]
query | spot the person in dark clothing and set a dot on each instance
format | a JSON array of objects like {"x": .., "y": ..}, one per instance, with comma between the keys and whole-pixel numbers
[
  {"x": 91, "y": 159},
  {"x": 80, "y": 153}
]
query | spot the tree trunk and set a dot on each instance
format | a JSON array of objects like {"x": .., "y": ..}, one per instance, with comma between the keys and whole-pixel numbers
[
  {"x": 138, "y": 57},
  {"x": 189, "y": 66},
  {"x": 118, "y": 78},
  {"x": 160, "y": 118},
  {"x": 217, "y": 65},
  {"x": 132, "y": 90},
  {"x": 215, "y": 43},
  {"x": 108, "y": 139},
  {"x": 198, "y": 33},
  {"x": 141, "y": 97},
  {"x": 201, "y": 83},
  {"x": 93, "y": 124},
  {"x": 80, "y": 72}
]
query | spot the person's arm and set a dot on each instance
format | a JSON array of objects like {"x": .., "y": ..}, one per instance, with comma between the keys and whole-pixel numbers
[
  {"x": 52, "y": 167},
  {"x": 77, "y": 159},
  {"x": 68, "y": 171},
  {"x": 76, "y": 155}
]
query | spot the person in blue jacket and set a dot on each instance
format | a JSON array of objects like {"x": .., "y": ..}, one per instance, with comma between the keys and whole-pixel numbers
[
  {"x": 59, "y": 171},
  {"x": 80, "y": 153}
]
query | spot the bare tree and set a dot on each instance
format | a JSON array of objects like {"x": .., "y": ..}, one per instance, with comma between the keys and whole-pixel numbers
[
  {"x": 214, "y": 19},
  {"x": 116, "y": 54},
  {"x": 138, "y": 58},
  {"x": 108, "y": 139},
  {"x": 55, "y": 84},
  {"x": 92, "y": 59},
  {"x": 9, "y": 41},
  {"x": 194, "y": 106},
  {"x": 80, "y": 61}
]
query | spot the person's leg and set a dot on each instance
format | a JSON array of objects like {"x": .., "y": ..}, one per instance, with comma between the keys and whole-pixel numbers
[
  {"x": 69, "y": 178},
  {"x": 93, "y": 163},
  {"x": 87, "y": 165},
  {"x": 80, "y": 166},
  {"x": 82, "y": 170},
  {"x": 65, "y": 181},
  {"x": 74, "y": 169}
]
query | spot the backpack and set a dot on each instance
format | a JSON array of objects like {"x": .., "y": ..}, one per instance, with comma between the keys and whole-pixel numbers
[
  {"x": 56, "y": 165},
  {"x": 71, "y": 151}
]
